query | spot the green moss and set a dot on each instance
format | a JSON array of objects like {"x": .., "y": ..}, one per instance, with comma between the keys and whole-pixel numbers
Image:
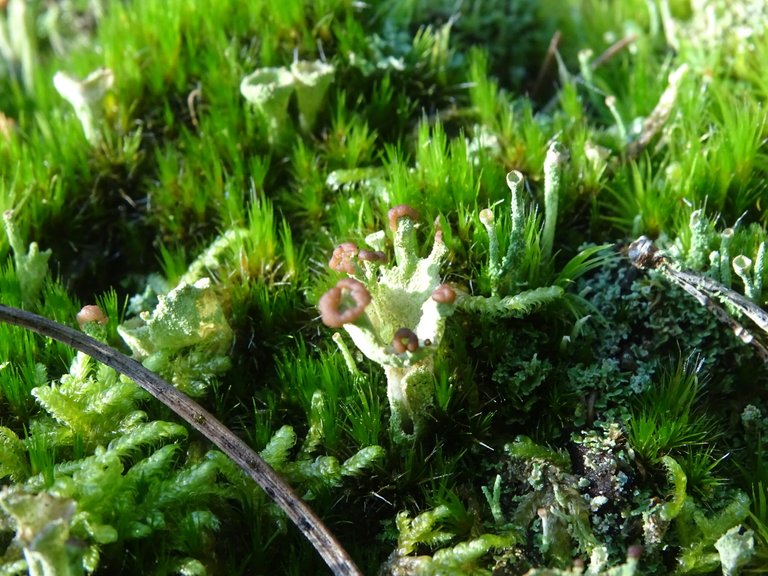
[{"x": 554, "y": 336}]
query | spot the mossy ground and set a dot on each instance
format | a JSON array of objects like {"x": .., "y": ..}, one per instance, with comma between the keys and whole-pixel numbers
[{"x": 431, "y": 105}]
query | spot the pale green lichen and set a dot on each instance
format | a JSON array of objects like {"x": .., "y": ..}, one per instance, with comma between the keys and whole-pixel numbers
[
  {"x": 212, "y": 259},
  {"x": 751, "y": 274},
  {"x": 87, "y": 98},
  {"x": 504, "y": 272},
  {"x": 493, "y": 497},
  {"x": 269, "y": 90},
  {"x": 43, "y": 531},
  {"x": 726, "y": 237},
  {"x": 312, "y": 80},
  {"x": 31, "y": 266},
  {"x": 394, "y": 314},
  {"x": 186, "y": 338},
  {"x": 736, "y": 548},
  {"x": 698, "y": 249}
]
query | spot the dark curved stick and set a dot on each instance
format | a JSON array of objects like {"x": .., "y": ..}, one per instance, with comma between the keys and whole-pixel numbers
[{"x": 204, "y": 422}]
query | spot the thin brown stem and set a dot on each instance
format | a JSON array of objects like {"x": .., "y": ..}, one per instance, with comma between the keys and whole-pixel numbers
[
  {"x": 604, "y": 57},
  {"x": 706, "y": 291},
  {"x": 612, "y": 50},
  {"x": 547, "y": 63}
]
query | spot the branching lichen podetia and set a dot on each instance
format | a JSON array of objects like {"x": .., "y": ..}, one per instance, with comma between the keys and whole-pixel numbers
[{"x": 394, "y": 314}]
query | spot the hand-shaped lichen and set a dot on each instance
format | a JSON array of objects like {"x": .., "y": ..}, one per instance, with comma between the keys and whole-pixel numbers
[{"x": 395, "y": 314}]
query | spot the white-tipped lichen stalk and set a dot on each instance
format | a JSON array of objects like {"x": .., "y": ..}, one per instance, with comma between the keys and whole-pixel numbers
[
  {"x": 556, "y": 158},
  {"x": 621, "y": 127},
  {"x": 714, "y": 265},
  {"x": 726, "y": 237},
  {"x": 516, "y": 247},
  {"x": 585, "y": 66},
  {"x": 661, "y": 113},
  {"x": 494, "y": 259}
]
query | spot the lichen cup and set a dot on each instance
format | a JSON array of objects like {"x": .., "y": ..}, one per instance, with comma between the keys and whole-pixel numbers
[
  {"x": 269, "y": 91},
  {"x": 86, "y": 97},
  {"x": 312, "y": 82}
]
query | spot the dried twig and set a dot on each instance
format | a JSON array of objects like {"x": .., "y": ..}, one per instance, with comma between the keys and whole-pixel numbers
[
  {"x": 705, "y": 290},
  {"x": 604, "y": 57},
  {"x": 547, "y": 63}
]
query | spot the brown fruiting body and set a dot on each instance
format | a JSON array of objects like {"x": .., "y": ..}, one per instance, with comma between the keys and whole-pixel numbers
[
  {"x": 438, "y": 231},
  {"x": 330, "y": 303},
  {"x": 90, "y": 313},
  {"x": 341, "y": 259},
  {"x": 635, "y": 551},
  {"x": 444, "y": 294},
  {"x": 401, "y": 211},
  {"x": 411, "y": 343},
  {"x": 372, "y": 256}
]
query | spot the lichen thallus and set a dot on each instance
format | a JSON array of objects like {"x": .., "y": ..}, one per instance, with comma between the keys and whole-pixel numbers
[
  {"x": 335, "y": 556},
  {"x": 706, "y": 291}
]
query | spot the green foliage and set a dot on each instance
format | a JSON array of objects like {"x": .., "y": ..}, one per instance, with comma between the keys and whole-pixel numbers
[
  {"x": 124, "y": 482},
  {"x": 758, "y": 516},
  {"x": 700, "y": 534},
  {"x": 323, "y": 472},
  {"x": 555, "y": 337},
  {"x": 427, "y": 529},
  {"x": 667, "y": 420}
]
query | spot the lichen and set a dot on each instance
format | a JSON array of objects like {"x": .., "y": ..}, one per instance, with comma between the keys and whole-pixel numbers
[
  {"x": 736, "y": 548},
  {"x": 31, "y": 265},
  {"x": 395, "y": 314},
  {"x": 87, "y": 98},
  {"x": 269, "y": 90},
  {"x": 186, "y": 337},
  {"x": 43, "y": 531}
]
